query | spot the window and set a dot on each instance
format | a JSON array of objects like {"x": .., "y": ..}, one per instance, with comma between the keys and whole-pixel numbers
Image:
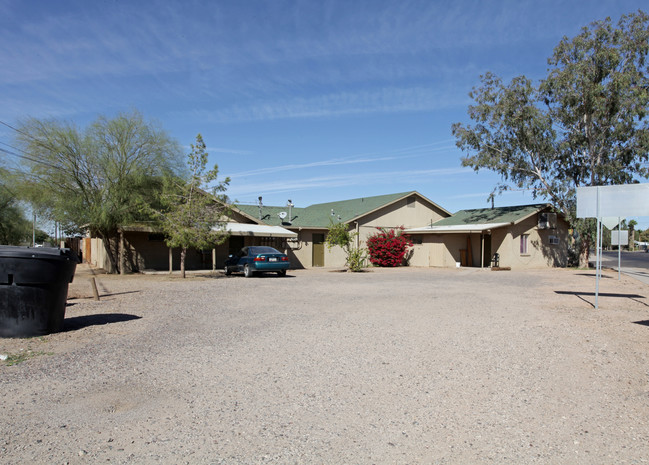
[{"x": 524, "y": 239}]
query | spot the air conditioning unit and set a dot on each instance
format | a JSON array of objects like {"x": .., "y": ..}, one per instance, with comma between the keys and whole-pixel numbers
[
  {"x": 547, "y": 220},
  {"x": 554, "y": 240}
]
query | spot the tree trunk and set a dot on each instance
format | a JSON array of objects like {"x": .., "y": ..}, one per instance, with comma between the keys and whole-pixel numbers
[
  {"x": 122, "y": 254},
  {"x": 110, "y": 253},
  {"x": 584, "y": 253},
  {"x": 183, "y": 253}
]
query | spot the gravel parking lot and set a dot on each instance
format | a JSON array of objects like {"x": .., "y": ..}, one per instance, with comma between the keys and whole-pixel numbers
[{"x": 403, "y": 366}]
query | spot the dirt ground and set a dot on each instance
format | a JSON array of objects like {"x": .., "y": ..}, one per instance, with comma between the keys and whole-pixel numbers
[{"x": 399, "y": 366}]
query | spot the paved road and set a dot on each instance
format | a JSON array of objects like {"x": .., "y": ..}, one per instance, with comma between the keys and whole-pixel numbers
[{"x": 634, "y": 264}]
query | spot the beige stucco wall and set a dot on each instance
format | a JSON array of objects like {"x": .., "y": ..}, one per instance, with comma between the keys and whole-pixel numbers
[
  {"x": 540, "y": 252},
  {"x": 409, "y": 215},
  {"x": 401, "y": 213},
  {"x": 443, "y": 250},
  {"x": 300, "y": 252}
]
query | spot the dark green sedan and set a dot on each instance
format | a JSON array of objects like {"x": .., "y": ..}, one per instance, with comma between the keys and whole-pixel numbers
[{"x": 257, "y": 259}]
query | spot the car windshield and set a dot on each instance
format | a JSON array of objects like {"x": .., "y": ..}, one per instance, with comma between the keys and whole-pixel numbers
[{"x": 258, "y": 250}]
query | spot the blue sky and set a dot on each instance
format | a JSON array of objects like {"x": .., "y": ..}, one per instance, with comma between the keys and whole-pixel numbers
[{"x": 312, "y": 101}]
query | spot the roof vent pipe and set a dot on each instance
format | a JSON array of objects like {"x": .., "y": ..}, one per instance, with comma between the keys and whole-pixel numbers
[{"x": 290, "y": 215}]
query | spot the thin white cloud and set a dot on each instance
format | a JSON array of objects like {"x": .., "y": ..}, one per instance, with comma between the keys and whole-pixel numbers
[
  {"x": 316, "y": 164},
  {"x": 382, "y": 100},
  {"x": 131, "y": 39},
  {"x": 397, "y": 154},
  {"x": 346, "y": 180}
]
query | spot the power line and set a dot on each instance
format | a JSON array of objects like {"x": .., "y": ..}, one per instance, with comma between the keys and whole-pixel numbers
[
  {"x": 37, "y": 141},
  {"x": 11, "y": 146},
  {"x": 24, "y": 157},
  {"x": 15, "y": 129}
]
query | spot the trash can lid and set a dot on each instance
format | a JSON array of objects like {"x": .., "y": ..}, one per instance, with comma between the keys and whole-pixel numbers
[{"x": 51, "y": 253}]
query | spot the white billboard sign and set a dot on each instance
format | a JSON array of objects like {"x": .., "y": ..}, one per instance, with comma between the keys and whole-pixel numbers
[
  {"x": 613, "y": 201},
  {"x": 610, "y": 202},
  {"x": 620, "y": 237}
]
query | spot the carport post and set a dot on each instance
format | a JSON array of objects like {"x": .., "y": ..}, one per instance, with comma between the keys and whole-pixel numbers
[
  {"x": 482, "y": 250},
  {"x": 213, "y": 259}
]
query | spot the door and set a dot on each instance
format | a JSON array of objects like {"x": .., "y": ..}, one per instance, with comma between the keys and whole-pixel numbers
[{"x": 318, "y": 249}]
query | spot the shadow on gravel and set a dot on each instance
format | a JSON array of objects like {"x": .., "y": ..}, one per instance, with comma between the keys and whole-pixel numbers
[
  {"x": 580, "y": 295},
  {"x": 593, "y": 275},
  {"x": 84, "y": 296},
  {"x": 345, "y": 270},
  {"x": 643, "y": 322},
  {"x": 118, "y": 293},
  {"x": 78, "y": 322}
]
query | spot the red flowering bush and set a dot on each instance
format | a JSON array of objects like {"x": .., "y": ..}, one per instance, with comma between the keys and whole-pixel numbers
[{"x": 388, "y": 247}]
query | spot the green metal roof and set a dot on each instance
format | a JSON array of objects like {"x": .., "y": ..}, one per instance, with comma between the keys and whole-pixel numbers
[
  {"x": 491, "y": 215},
  {"x": 319, "y": 215}
]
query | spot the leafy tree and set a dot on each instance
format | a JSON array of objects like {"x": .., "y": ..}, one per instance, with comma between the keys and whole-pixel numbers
[
  {"x": 41, "y": 236},
  {"x": 643, "y": 236},
  {"x": 339, "y": 235},
  {"x": 584, "y": 125},
  {"x": 388, "y": 247},
  {"x": 189, "y": 214},
  {"x": 14, "y": 227},
  {"x": 100, "y": 177}
]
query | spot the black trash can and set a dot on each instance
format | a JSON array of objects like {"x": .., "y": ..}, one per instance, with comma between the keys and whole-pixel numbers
[{"x": 34, "y": 289}]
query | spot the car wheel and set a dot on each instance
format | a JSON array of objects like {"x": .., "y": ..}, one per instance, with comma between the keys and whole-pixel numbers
[
  {"x": 247, "y": 272},
  {"x": 281, "y": 273},
  {"x": 227, "y": 271}
]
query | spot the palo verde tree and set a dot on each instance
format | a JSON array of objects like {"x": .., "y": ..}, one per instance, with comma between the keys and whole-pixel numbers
[
  {"x": 583, "y": 125},
  {"x": 192, "y": 214},
  {"x": 98, "y": 178}
]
